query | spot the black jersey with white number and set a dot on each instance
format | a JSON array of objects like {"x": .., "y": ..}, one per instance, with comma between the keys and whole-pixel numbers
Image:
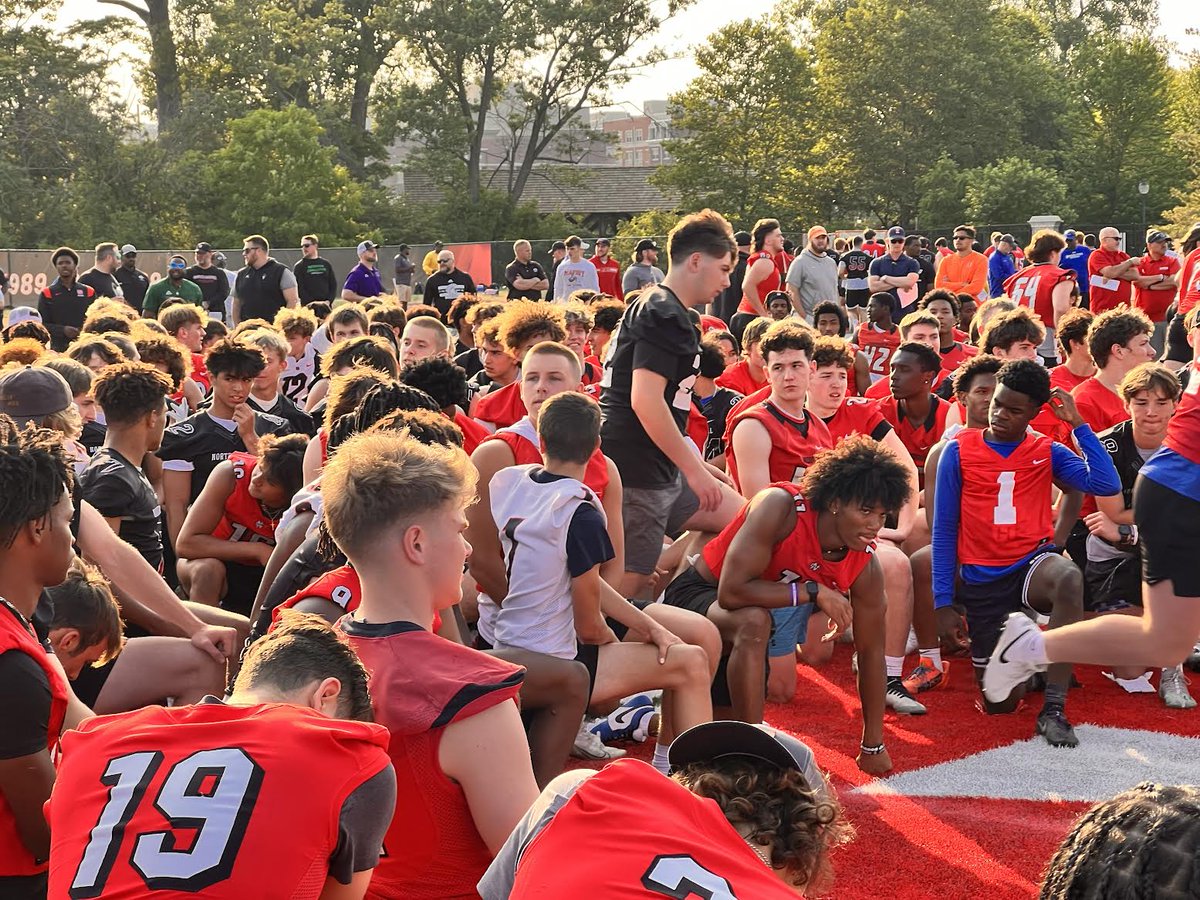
[
  {"x": 200, "y": 443},
  {"x": 119, "y": 490},
  {"x": 283, "y": 408},
  {"x": 93, "y": 436}
]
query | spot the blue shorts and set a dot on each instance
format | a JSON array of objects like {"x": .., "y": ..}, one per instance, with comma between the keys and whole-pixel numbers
[{"x": 789, "y": 627}]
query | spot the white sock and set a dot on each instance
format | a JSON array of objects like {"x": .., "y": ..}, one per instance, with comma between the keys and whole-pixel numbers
[
  {"x": 660, "y": 760},
  {"x": 934, "y": 656},
  {"x": 895, "y": 666}
]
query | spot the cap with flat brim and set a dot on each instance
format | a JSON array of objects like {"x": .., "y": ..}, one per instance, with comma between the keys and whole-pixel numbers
[
  {"x": 204, "y": 247},
  {"x": 717, "y": 740}
]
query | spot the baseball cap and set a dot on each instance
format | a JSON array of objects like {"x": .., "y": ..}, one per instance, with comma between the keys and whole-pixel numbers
[
  {"x": 896, "y": 233},
  {"x": 575, "y": 240},
  {"x": 32, "y": 392},
  {"x": 1008, "y": 239},
  {"x": 742, "y": 238},
  {"x": 645, "y": 244},
  {"x": 603, "y": 240},
  {"x": 21, "y": 314},
  {"x": 1157, "y": 237},
  {"x": 367, "y": 245},
  {"x": 558, "y": 245},
  {"x": 716, "y": 740},
  {"x": 1070, "y": 234},
  {"x": 204, "y": 247},
  {"x": 219, "y": 258},
  {"x": 817, "y": 231},
  {"x": 129, "y": 250}
]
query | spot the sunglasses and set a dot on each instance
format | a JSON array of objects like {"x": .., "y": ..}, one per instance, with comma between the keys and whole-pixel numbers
[
  {"x": 961, "y": 237},
  {"x": 306, "y": 246},
  {"x": 248, "y": 250},
  {"x": 896, "y": 241}
]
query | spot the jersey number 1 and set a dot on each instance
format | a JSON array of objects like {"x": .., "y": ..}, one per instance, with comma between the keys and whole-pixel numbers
[
  {"x": 209, "y": 796},
  {"x": 1005, "y": 512}
]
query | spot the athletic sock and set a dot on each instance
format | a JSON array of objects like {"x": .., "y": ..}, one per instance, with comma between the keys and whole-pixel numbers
[
  {"x": 1056, "y": 698},
  {"x": 934, "y": 656},
  {"x": 660, "y": 760},
  {"x": 895, "y": 666}
]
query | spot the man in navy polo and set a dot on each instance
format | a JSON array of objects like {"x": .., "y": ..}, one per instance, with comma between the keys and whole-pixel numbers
[
  {"x": 897, "y": 274},
  {"x": 363, "y": 281},
  {"x": 1075, "y": 258},
  {"x": 1002, "y": 265}
]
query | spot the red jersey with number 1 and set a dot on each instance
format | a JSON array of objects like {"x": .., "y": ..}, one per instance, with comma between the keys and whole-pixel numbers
[
  {"x": 1005, "y": 502},
  {"x": 243, "y": 518},
  {"x": 795, "y": 443},
  {"x": 1034, "y": 287},
  {"x": 878, "y": 346},
  {"x": 225, "y": 802},
  {"x": 798, "y": 557},
  {"x": 772, "y": 282}
]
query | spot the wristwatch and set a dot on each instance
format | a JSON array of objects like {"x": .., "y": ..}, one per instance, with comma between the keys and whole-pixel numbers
[
  {"x": 1126, "y": 534},
  {"x": 811, "y": 588}
]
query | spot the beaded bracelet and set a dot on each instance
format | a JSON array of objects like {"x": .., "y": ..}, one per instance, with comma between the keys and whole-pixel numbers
[{"x": 871, "y": 751}]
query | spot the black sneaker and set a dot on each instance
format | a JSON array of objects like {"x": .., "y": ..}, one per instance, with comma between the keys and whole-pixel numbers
[
  {"x": 899, "y": 699},
  {"x": 1054, "y": 727}
]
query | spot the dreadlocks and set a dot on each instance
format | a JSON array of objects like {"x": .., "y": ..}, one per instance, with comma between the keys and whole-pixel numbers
[{"x": 34, "y": 472}]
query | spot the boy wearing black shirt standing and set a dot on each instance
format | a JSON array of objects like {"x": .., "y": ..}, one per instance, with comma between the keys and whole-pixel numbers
[
  {"x": 649, "y": 370},
  {"x": 265, "y": 394}
]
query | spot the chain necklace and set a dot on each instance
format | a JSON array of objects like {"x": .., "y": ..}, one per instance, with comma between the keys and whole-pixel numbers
[{"x": 759, "y": 852}]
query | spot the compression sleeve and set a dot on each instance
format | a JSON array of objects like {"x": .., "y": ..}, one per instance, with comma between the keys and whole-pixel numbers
[
  {"x": 946, "y": 512},
  {"x": 1094, "y": 473}
]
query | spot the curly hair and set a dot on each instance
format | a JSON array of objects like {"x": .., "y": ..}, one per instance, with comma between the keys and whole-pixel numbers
[
  {"x": 577, "y": 313},
  {"x": 1115, "y": 327},
  {"x": 423, "y": 425},
  {"x": 586, "y": 296},
  {"x": 167, "y": 352},
  {"x": 299, "y": 320},
  {"x": 1026, "y": 377},
  {"x": 104, "y": 322},
  {"x": 249, "y": 325},
  {"x": 29, "y": 329},
  {"x": 34, "y": 472},
  {"x": 346, "y": 391},
  {"x": 378, "y": 401},
  {"x": 712, "y": 362},
  {"x": 789, "y": 334},
  {"x": 829, "y": 308},
  {"x": 23, "y": 351},
  {"x": 832, "y": 351},
  {"x": 983, "y": 364},
  {"x": 857, "y": 470},
  {"x": 940, "y": 294},
  {"x": 83, "y": 349},
  {"x": 524, "y": 320},
  {"x": 460, "y": 310},
  {"x": 234, "y": 357},
  {"x": 282, "y": 460},
  {"x": 422, "y": 309},
  {"x": 1012, "y": 327},
  {"x": 607, "y": 314},
  {"x": 131, "y": 390},
  {"x": 779, "y": 810},
  {"x": 441, "y": 379},
  {"x": 85, "y": 603},
  {"x": 483, "y": 311},
  {"x": 367, "y": 351},
  {"x": 1144, "y": 842},
  {"x": 1044, "y": 242}
]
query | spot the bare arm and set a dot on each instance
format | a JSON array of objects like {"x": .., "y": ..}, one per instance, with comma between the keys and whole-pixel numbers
[
  {"x": 355, "y": 890},
  {"x": 769, "y": 519},
  {"x": 613, "y": 570},
  {"x": 869, "y": 602},
  {"x": 908, "y": 514},
  {"x": 26, "y": 782},
  {"x": 590, "y": 627},
  {"x": 1060, "y": 298},
  {"x": 487, "y": 555},
  {"x": 751, "y": 444},
  {"x": 177, "y": 489},
  {"x": 196, "y": 539},
  {"x": 1114, "y": 508},
  {"x": 316, "y": 394},
  {"x": 291, "y": 297},
  {"x": 312, "y": 464},
  {"x": 754, "y": 275}
]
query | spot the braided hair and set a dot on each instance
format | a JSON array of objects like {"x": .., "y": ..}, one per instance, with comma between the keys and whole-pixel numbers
[
  {"x": 376, "y": 403},
  {"x": 1143, "y": 844},
  {"x": 34, "y": 472}
]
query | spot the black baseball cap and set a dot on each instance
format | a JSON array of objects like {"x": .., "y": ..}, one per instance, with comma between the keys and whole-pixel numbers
[
  {"x": 716, "y": 740},
  {"x": 742, "y": 238},
  {"x": 1157, "y": 237},
  {"x": 559, "y": 245},
  {"x": 645, "y": 244},
  {"x": 603, "y": 240},
  {"x": 1008, "y": 239},
  {"x": 204, "y": 247},
  {"x": 896, "y": 233}
]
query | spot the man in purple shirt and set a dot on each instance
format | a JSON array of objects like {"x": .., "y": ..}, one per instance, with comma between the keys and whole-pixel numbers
[{"x": 364, "y": 282}]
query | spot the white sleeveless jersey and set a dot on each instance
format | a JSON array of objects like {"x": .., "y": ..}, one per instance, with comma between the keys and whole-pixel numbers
[
  {"x": 299, "y": 375},
  {"x": 533, "y": 519}
]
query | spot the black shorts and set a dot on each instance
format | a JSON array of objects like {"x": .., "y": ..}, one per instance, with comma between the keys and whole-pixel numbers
[
  {"x": 691, "y": 591},
  {"x": 241, "y": 585},
  {"x": 1168, "y": 534},
  {"x": 989, "y": 605},
  {"x": 1114, "y": 584},
  {"x": 1177, "y": 349},
  {"x": 857, "y": 298}
]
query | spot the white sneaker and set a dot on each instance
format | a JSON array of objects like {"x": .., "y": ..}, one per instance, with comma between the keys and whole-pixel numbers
[
  {"x": 1173, "y": 689},
  {"x": 589, "y": 745},
  {"x": 1003, "y": 673},
  {"x": 898, "y": 698}
]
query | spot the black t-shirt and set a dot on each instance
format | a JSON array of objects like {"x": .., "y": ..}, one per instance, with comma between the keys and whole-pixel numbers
[
  {"x": 315, "y": 280},
  {"x": 285, "y": 408},
  {"x": 93, "y": 436},
  {"x": 134, "y": 284},
  {"x": 857, "y": 263},
  {"x": 24, "y": 702},
  {"x": 655, "y": 333},
  {"x": 517, "y": 269},
  {"x": 102, "y": 283},
  {"x": 469, "y": 362},
  {"x": 727, "y": 303},
  {"x": 928, "y": 272},
  {"x": 119, "y": 490},
  {"x": 442, "y": 289},
  {"x": 200, "y": 443},
  {"x": 213, "y": 284}
]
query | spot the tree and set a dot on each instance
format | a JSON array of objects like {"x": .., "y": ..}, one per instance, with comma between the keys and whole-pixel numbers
[
  {"x": 274, "y": 177},
  {"x": 746, "y": 127},
  {"x": 943, "y": 195},
  {"x": 155, "y": 15},
  {"x": 1073, "y": 22},
  {"x": 1012, "y": 190}
]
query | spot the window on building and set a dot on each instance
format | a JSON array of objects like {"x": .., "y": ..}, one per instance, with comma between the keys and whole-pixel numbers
[{"x": 637, "y": 135}]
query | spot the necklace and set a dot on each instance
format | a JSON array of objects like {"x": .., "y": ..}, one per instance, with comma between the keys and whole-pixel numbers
[{"x": 758, "y": 851}]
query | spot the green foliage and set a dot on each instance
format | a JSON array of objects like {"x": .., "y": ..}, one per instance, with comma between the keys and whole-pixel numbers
[
  {"x": 1011, "y": 190},
  {"x": 655, "y": 223},
  {"x": 943, "y": 191}
]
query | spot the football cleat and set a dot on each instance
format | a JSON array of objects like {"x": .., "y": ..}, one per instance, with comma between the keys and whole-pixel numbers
[
  {"x": 899, "y": 699},
  {"x": 926, "y": 677},
  {"x": 1055, "y": 728}
]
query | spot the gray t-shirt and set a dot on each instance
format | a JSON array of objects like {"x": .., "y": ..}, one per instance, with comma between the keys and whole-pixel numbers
[
  {"x": 641, "y": 275},
  {"x": 815, "y": 278},
  {"x": 575, "y": 276}
]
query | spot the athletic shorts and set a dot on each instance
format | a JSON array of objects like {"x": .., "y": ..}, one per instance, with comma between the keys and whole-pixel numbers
[
  {"x": 649, "y": 515},
  {"x": 989, "y": 605},
  {"x": 1177, "y": 346},
  {"x": 691, "y": 591},
  {"x": 241, "y": 585},
  {"x": 1168, "y": 534},
  {"x": 789, "y": 627},
  {"x": 858, "y": 298},
  {"x": 1115, "y": 584}
]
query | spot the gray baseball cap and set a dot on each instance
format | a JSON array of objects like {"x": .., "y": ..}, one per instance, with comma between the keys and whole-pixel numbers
[{"x": 28, "y": 394}]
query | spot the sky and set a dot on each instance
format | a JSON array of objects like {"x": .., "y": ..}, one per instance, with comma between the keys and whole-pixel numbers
[{"x": 691, "y": 27}]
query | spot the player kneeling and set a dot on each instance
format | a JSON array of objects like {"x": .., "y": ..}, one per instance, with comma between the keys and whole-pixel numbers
[
  {"x": 745, "y": 813},
  {"x": 284, "y": 791}
]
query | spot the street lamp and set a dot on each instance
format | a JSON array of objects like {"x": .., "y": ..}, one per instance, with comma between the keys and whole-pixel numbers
[{"x": 1143, "y": 189}]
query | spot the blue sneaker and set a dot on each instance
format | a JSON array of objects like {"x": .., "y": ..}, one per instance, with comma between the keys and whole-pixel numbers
[{"x": 626, "y": 723}]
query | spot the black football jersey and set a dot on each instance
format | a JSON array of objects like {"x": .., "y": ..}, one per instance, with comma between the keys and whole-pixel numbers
[
  {"x": 120, "y": 490},
  {"x": 202, "y": 442}
]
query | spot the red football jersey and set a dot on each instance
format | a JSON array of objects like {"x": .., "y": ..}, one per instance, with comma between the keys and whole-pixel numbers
[
  {"x": 213, "y": 800},
  {"x": 244, "y": 519},
  {"x": 798, "y": 556},
  {"x": 795, "y": 443},
  {"x": 738, "y": 377},
  {"x": 679, "y": 845},
  {"x": 772, "y": 282},
  {"x": 200, "y": 373},
  {"x": 1062, "y": 377},
  {"x": 919, "y": 439},
  {"x": 16, "y": 635},
  {"x": 341, "y": 586},
  {"x": 502, "y": 407},
  {"x": 958, "y": 354},
  {"x": 878, "y": 346},
  {"x": 1034, "y": 287},
  {"x": 1189, "y": 283},
  {"x": 697, "y": 427},
  {"x": 421, "y": 683},
  {"x": 1100, "y": 407},
  {"x": 1183, "y": 431},
  {"x": 857, "y": 415},
  {"x": 473, "y": 432},
  {"x": 1005, "y": 504},
  {"x": 522, "y": 439}
]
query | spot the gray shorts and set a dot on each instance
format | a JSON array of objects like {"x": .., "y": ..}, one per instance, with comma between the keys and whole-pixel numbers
[{"x": 649, "y": 514}]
